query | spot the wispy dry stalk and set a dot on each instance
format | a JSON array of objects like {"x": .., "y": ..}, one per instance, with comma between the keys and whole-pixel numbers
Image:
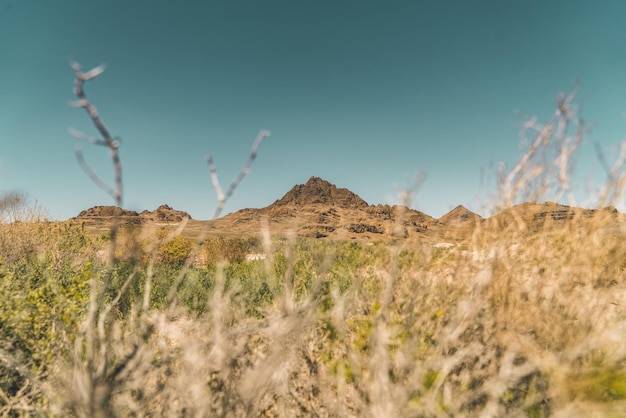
[
  {"x": 538, "y": 173},
  {"x": 612, "y": 191},
  {"x": 222, "y": 197},
  {"x": 15, "y": 207}
]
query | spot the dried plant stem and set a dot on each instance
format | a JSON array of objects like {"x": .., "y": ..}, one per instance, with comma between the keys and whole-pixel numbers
[
  {"x": 96, "y": 372},
  {"x": 538, "y": 173},
  {"x": 222, "y": 197},
  {"x": 108, "y": 141}
]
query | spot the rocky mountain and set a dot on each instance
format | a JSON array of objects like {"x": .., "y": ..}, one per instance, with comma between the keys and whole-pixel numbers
[
  {"x": 459, "y": 214},
  {"x": 165, "y": 213},
  {"x": 319, "y": 191},
  {"x": 105, "y": 214},
  {"x": 320, "y": 209}
]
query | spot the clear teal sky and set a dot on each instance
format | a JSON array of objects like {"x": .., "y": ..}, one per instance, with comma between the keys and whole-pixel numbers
[{"x": 362, "y": 93}]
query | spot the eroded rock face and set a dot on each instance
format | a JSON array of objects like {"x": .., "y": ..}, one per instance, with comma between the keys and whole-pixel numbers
[
  {"x": 165, "y": 213},
  {"x": 105, "y": 212},
  {"x": 316, "y": 231},
  {"x": 319, "y": 191},
  {"x": 363, "y": 227},
  {"x": 381, "y": 212}
]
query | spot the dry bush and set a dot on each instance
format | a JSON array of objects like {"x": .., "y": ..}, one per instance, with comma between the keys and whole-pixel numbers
[
  {"x": 218, "y": 249},
  {"x": 17, "y": 207}
]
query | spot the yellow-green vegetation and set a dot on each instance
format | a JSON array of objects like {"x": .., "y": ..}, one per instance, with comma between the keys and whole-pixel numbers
[{"x": 513, "y": 322}]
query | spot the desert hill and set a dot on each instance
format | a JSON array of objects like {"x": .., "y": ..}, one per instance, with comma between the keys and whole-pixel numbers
[
  {"x": 459, "y": 214},
  {"x": 165, "y": 213},
  {"x": 104, "y": 212},
  {"x": 319, "y": 191},
  {"x": 319, "y": 209},
  {"x": 533, "y": 216},
  {"x": 100, "y": 217}
]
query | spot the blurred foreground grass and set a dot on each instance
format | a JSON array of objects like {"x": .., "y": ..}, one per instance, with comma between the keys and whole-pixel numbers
[{"x": 514, "y": 322}]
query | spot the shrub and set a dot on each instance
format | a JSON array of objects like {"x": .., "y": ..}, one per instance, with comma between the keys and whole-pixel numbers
[
  {"x": 218, "y": 249},
  {"x": 175, "y": 251}
]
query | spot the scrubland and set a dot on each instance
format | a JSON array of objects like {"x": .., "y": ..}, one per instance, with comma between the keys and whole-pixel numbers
[
  {"x": 517, "y": 319},
  {"x": 513, "y": 322}
]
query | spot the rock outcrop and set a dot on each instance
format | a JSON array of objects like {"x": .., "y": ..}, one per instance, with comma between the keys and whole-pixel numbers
[
  {"x": 319, "y": 191},
  {"x": 105, "y": 212},
  {"x": 165, "y": 213}
]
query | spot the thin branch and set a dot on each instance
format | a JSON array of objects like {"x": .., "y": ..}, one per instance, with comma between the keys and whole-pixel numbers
[
  {"x": 90, "y": 173},
  {"x": 222, "y": 199},
  {"x": 215, "y": 180},
  {"x": 556, "y": 128},
  {"x": 112, "y": 144},
  {"x": 87, "y": 138},
  {"x": 611, "y": 191},
  {"x": 602, "y": 159},
  {"x": 221, "y": 196}
]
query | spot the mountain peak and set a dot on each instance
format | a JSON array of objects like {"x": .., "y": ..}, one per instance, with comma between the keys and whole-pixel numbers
[
  {"x": 320, "y": 191},
  {"x": 459, "y": 214}
]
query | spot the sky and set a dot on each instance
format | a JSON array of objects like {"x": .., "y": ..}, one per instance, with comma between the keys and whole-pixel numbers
[{"x": 365, "y": 94}]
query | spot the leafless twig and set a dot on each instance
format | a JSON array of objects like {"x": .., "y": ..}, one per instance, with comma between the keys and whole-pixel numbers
[
  {"x": 94, "y": 371},
  {"x": 108, "y": 141},
  {"x": 222, "y": 197},
  {"x": 90, "y": 173},
  {"x": 533, "y": 171},
  {"x": 611, "y": 192}
]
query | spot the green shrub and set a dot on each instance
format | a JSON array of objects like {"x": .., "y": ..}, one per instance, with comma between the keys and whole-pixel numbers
[{"x": 174, "y": 251}]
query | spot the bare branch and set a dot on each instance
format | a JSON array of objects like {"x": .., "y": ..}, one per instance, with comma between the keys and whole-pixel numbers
[
  {"x": 93, "y": 73},
  {"x": 222, "y": 199},
  {"x": 215, "y": 180},
  {"x": 602, "y": 159},
  {"x": 91, "y": 174},
  {"x": 90, "y": 139},
  {"x": 108, "y": 141},
  {"x": 612, "y": 189},
  {"x": 221, "y": 196},
  {"x": 531, "y": 171}
]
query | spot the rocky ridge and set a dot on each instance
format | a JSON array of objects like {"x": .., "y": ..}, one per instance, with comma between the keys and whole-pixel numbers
[
  {"x": 319, "y": 209},
  {"x": 163, "y": 213}
]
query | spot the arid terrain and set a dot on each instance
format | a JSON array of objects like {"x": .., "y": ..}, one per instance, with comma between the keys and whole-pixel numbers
[
  {"x": 321, "y": 210},
  {"x": 319, "y": 304}
]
